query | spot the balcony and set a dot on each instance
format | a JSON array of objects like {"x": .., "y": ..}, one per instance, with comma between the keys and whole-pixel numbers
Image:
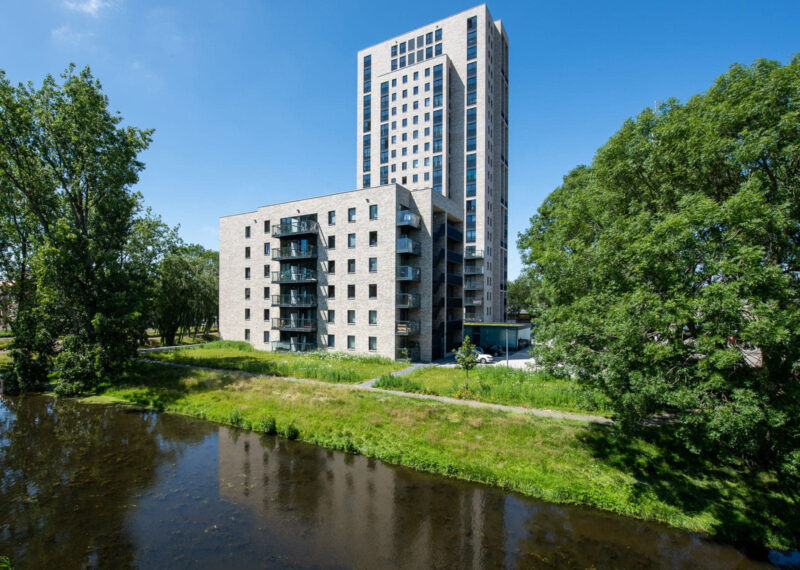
[
  {"x": 454, "y": 279},
  {"x": 454, "y": 233},
  {"x": 293, "y": 346},
  {"x": 454, "y": 256},
  {"x": 291, "y": 300},
  {"x": 408, "y": 273},
  {"x": 295, "y": 275},
  {"x": 473, "y": 254},
  {"x": 454, "y": 302},
  {"x": 295, "y": 228},
  {"x": 407, "y": 301},
  {"x": 470, "y": 301},
  {"x": 294, "y": 252},
  {"x": 474, "y": 284},
  {"x": 407, "y": 218},
  {"x": 406, "y": 328},
  {"x": 295, "y": 324},
  {"x": 473, "y": 270},
  {"x": 407, "y": 352},
  {"x": 408, "y": 245}
]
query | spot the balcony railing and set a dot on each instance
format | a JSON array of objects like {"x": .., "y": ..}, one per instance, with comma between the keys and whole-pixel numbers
[
  {"x": 299, "y": 276},
  {"x": 455, "y": 302},
  {"x": 294, "y": 252},
  {"x": 473, "y": 254},
  {"x": 294, "y": 228},
  {"x": 454, "y": 279},
  {"x": 408, "y": 273},
  {"x": 473, "y": 270},
  {"x": 473, "y": 301},
  {"x": 294, "y": 300},
  {"x": 289, "y": 346},
  {"x": 454, "y": 256},
  {"x": 406, "y": 328},
  {"x": 407, "y": 301},
  {"x": 408, "y": 245},
  {"x": 454, "y": 233},
  {"x": 406, "y": 218},
  {"x": 294, "y": 324},
  {"x": 474, "y": 284}
]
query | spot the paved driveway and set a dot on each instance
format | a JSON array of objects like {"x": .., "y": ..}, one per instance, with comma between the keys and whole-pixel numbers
[{"x": 516, "y": 359}]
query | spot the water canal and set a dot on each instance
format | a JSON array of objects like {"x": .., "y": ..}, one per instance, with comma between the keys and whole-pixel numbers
[{"x": 104, "y": 486}]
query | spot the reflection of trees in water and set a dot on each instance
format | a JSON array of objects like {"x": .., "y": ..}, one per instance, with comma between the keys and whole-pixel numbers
[{"x": 70, "y": 472}]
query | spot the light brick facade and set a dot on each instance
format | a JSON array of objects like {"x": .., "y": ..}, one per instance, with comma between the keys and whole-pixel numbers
[
  {"x": 398, "y": 142},
  {"x": 295, "y": 288}
]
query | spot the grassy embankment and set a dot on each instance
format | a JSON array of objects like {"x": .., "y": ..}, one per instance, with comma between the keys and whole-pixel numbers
[
  {"x": 500, "y": 385},
  {"x": 154, "y": 341},
  {"x": 327, "y": 366},
  {"x": 556, "y": 460}
]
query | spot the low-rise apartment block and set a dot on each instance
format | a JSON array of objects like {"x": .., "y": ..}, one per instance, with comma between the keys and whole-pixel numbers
[{"x": 373, "y": 271}]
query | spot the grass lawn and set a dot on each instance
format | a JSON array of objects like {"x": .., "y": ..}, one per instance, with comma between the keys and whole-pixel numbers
[
  {"x": 5, "y": 342},
  {"x": 556, "y": 460},
  {"x": 501, "y": 385},
  {"x": 327, "y": 366}
]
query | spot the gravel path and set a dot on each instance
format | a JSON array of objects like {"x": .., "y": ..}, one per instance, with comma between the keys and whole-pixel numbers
[{"x": 444, "y": 399}]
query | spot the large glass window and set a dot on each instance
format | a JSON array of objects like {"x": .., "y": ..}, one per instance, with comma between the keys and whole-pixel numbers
[
  {"x": 351, "y": 214},
  {"x": 351, "y": 317},
  {"x": 351, "y": 291},
  {"x": 373, "y": 264},
  {"x": 373, "y": 317},
  {"x": 331, "y": 341},
  {"x": 351, "y": 342},
  {"x": 373, "y": 212},
  {"x": 351, "y": 265},
  {"x": 373, "y": 343},
  {"x": 351, "y": 240},
  {"x": 332, "y": 217}
]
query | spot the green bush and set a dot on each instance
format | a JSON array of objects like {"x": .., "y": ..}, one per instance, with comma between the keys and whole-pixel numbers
[{"x": 267, "y": 426}]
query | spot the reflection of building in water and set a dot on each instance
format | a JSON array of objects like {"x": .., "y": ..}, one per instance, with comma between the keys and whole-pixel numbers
[{"x": 355, "y": 509}]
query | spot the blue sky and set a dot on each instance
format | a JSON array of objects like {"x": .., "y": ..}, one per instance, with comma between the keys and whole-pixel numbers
[{"x": 254, "y": 102}]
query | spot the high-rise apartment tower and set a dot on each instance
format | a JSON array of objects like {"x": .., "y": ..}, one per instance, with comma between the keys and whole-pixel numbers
[{"x": 433, "y": 113}]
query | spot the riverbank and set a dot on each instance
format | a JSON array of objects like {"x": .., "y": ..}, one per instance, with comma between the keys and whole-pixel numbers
[{"x": 555, "y": 460}]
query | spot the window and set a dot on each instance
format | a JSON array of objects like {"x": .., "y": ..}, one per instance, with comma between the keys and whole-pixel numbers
[
  {"x": 373, "y": 290},
  {"x": 438, "y": 50},
  {"x": 247, "y": 334},
  {"x": 365, "y": 181},
  {"x": 331, "y": 242},
  {"x": 351, "y": 317},
  {"x": 266, "y": 270},
  {"x": 373, "y": 317},
  {"x": 247, "y": 231},
  {"x": 332, "y": 217},
  {"x": 373, "y": 212},
  {"x": 429, "y": 38},
  {"x": 373, "y": 343},
  {"x": 439, "y": 35},
  {"x": 331, "y": 341},
  {"x": 373, "y": 239},
  {"x": 416, "y": 73},
  {"x": 247, "y": 292},
  {"x": 373, "y": 264},
  {"x": 332, "y": 267},
  {"x": 331, "y": 316},
  {"x": 266, "y": 248},
  {"x": 266, "y": 314},
  {"x": 351, "y": 215},
  {"x": 247, "y": 252},
  {"x": 351, "y": 291},
  {"x": 266, "y": 226},
  {"x": 331, "y": 291},
  {"x": 266, "y": 336},
  {"x": 247, "y": 314},
  {"x": 351, "y": 342},
  {"x": 394, "y": 51},
  {"x": 266, "y": 292},
  {"x": 351, "y": 240},
  {"x": 351, "y": 265},
  {"x": 247, "y": 273}
]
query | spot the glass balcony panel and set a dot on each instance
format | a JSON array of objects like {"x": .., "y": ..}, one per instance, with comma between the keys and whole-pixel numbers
[
  {"x": 406, "y": 328},
  {"x": 295, "y": 323},
  {"x": 408, "y": 273},
  {"x": 408, "y": 245},
  {"x": 407, "y": 300},
  {"x": 294, "y": 251},
  {"x": 407, "y": 218},
  {"x": 293, "y": 346},
  {"x": 295, "y": 227}
]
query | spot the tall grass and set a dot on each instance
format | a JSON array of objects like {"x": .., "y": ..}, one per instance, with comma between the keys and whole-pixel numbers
[
  {"x": 320, "y": 365},
  {"x": 500, "y": 385}
]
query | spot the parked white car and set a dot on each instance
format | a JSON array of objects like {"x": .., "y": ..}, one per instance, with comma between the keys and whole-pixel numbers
[{"x": 483, "y": 358}]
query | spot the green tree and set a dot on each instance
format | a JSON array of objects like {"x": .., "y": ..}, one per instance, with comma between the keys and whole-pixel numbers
[
  {"x": 517, "y": 296},
  {"x": 667, "y": 272},
  {"x": 466, "y": 358},
  {"x": 71, "y": 166}
]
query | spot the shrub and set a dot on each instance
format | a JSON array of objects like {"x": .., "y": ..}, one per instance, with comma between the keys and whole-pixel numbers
[
  {"x": 267, "y": 425},
  {"x": 235, "y": 417},
  {"x": 292, "y": 432}
]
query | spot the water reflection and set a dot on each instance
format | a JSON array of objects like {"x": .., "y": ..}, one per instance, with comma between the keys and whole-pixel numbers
[{"x": 90, "y": 486}]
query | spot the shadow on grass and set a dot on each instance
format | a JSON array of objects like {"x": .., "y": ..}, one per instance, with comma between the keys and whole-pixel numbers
[
  {"x": 751, "y": 507},
  {"x": 159, "y": 386}
]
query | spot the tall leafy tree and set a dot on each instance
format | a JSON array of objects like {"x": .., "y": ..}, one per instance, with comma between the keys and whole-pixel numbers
[
  {"x": 667, "y": 273},
  {"x": 65, "y": 156}
]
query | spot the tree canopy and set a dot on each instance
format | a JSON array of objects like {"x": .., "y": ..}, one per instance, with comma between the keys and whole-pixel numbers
[{"x": 667, "y": 274}]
